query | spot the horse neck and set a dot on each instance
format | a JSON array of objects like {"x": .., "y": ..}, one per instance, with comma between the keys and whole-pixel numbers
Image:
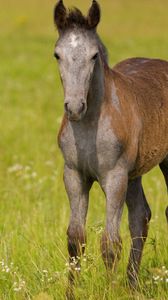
[{"x": 96, "y": 91}]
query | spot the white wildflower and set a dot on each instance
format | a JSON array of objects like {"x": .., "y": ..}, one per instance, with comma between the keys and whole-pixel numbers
[
  {"x": 27, "y": 168},
  {"x": 7, "y": 270},
  {"x": 15, "y": 168},
  {"x": 22, "y": 283},
  {"x": 156, "y": 278},
  {"x": 34, "y": 175},
  {"x": 50, "y": 279},
  {"x": 17, "y": 289}
]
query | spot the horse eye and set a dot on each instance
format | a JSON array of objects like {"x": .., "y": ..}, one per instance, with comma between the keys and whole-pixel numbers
[
  {"x": 95, "y": 56},
  {"x": 56, "y": 56}
]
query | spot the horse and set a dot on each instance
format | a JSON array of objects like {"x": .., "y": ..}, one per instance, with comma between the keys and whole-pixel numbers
[{"x": 114, "y": 130}]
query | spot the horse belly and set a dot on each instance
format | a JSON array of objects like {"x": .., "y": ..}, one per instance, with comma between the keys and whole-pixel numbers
[{"x": 153, "y": 149}]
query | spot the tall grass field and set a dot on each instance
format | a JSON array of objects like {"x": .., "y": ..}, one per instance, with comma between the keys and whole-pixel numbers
[{"x": 34, "y": 209}]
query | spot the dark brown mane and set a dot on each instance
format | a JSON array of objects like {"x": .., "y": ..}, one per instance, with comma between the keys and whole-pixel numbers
[
  {"x": 103, "y": 51},
  {"x": 76, "y": 18}
]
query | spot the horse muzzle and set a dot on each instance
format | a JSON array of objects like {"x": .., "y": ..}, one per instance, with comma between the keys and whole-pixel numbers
[{"x": 75, "y": 111}]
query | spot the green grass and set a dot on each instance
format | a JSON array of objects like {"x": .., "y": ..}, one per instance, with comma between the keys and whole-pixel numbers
[{"x": 34, "y": 208}]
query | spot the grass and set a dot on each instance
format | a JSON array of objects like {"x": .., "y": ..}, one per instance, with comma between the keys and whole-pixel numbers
[{"x": 34, "y": 208}]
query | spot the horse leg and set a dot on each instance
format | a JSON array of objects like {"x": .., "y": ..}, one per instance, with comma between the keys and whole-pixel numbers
[
  {"x": 114, "y": 185},
  {"x": 164, "y": 169},
  {"x": 139, "y": 215},
  {"x": 78, "y": 192}
]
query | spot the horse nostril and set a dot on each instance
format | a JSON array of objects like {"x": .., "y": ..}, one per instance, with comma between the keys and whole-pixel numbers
[
  {"x": 82, "y": 108},
  {"x": 66, "y": 106},
  {"x": 67, "y": 109}
]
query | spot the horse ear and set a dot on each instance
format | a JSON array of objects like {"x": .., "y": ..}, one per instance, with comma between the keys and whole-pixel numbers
[
  {"x": 93, "y": 17},
  {"x": 60, "y": 15}
]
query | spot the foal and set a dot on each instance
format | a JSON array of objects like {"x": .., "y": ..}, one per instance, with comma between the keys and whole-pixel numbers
[{"x": 114, "y": 130}]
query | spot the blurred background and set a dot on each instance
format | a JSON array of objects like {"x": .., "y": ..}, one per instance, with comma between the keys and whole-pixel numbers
[{"x": 34, "y": 209}]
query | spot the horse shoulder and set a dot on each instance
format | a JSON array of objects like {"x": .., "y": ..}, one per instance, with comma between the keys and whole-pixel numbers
[{"x": 125, "y": 119}]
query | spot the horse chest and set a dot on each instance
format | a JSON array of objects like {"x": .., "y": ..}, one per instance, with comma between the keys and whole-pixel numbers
[{"x": 92, "y": 149}]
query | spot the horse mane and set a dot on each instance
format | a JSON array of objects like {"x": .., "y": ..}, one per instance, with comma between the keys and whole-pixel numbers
[
  {"x": 103, "y": 51},
  {"x": 76, "y": 18}
]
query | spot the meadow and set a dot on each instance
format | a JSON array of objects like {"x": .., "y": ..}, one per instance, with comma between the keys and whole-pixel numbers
[{"x": 34, "y": 208}]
